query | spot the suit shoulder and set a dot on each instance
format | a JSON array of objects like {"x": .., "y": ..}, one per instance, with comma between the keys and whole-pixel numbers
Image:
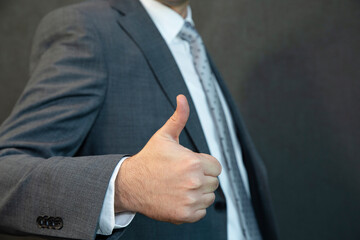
[
  {"x": 70, "y": 24},
  {"x": 79, "y": 13},
  {"x": 87, "y": 17}
]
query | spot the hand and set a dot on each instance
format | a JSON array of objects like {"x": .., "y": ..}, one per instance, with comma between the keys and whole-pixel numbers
[{"x": 166, "y": 181}]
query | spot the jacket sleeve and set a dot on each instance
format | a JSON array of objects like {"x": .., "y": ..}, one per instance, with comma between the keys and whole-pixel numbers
[{"x": 40, "y": 172}]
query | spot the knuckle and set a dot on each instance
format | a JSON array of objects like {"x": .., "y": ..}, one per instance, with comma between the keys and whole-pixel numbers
[
  {"x": 200, "y": 214},
  {"x": 189, "y": 216},
  {"x": 211, "y": 198},
  {"x": 214, "y": 162},
  {"x": 194, "y": 183},
  {"x": 185, "y": 215},
  {"x": 193, "y": 164},
  {"x": 190, "y": 201}
]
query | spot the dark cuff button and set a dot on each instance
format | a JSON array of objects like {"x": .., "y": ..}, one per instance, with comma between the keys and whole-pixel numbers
[
  {"x": 220, "y": 206},
  {"x": 49, "y": 222},
  {"x": 40, "y": 221},
  {"x": 58, "y": 223}
]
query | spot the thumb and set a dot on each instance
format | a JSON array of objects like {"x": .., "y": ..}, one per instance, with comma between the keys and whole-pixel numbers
[{"x": 176, "y": 123}]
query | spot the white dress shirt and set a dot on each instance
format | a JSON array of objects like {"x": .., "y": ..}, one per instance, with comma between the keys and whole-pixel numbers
[{"x": 169, "y": 24}]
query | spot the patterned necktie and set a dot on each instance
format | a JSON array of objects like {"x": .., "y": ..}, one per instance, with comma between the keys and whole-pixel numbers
[{"x": 243, "y": 204}]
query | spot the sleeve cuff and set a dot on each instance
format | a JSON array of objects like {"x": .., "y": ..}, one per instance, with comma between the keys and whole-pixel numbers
[
  {"x": 108, "y": 220},
  {"x": 123, "y": 219}
]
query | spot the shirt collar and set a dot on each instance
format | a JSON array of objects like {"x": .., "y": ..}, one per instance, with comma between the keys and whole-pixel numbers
[{"x": 167, "y": 21}]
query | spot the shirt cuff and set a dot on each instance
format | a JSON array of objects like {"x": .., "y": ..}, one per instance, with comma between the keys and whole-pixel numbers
[{"x": 108, "y": 220}]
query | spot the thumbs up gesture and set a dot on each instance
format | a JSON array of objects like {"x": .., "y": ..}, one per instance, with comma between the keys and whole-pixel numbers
[{"x": 166, "y": 181}]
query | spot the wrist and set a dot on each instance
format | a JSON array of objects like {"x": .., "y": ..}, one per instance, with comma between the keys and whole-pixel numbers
[{"x": 122, "y": 192}]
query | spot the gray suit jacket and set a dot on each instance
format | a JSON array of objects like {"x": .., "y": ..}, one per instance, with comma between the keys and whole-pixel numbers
[{"x": 102, "y": 82}]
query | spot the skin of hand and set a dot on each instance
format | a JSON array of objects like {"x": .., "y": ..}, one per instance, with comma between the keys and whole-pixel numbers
[{"x": 166, "y": 181}]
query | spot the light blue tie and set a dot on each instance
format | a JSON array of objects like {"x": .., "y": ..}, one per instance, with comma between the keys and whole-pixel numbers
[{"x": 243, "y": 204}]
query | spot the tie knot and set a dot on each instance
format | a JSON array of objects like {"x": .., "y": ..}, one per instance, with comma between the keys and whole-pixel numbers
[{"x": 188, "y": 32}]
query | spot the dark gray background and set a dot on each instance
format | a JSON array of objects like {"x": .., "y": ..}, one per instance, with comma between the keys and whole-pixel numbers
[{"x": 293, "y": 67}]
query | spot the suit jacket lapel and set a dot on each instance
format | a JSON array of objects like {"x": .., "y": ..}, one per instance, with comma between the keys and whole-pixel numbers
[{"x": 139, "y": 26}]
